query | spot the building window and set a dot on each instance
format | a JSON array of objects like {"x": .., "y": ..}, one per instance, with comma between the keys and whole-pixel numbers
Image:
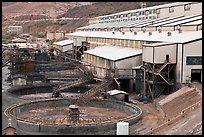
[
  {"x": 141, "y": 13},
  {"x": 187, "y": 7},
  {"x": 171, "y": 9},
  {"x": 193, "y": 60},
  {"x": 146, "y": 12},
  {"x": 136, "y": 13}
]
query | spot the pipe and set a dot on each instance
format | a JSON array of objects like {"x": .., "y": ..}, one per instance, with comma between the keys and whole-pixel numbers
[
  {"x": 142, "y": 67},
  {"x": 144, "y": 88}
]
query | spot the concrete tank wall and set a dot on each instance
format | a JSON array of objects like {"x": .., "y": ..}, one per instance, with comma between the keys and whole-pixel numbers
[{"x": 29, "y": 127}]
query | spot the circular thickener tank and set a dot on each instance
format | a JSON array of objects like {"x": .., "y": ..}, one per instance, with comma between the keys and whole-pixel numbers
[{"x": 52, "y": 116}]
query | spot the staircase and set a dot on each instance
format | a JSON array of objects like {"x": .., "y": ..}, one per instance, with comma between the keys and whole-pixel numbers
[
  {"x": 87, "y": 76},
  {"x": 71, "y": 84},
  {"x": 163, "y": 66},
  {"x": 159, "y": 73},
  {"x": 168, "y": 82},
  {"x": 103, "y": 87}
]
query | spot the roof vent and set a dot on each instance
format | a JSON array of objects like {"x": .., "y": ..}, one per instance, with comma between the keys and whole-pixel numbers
[
  {"x": 113, "y": 32},
  {"x": 179, "y": 30},
  {"x": 131, "y": 29},
  {"x": 144, "y": 30},
  {"x": 200, "y": 28},
  {"x": 169, "y": 33},
  {"x": 150, "y": 33},
  {"x": 159, "y": 29},
  {"x": 135, "y": 33},
  {"x": 123, "y": 32}
]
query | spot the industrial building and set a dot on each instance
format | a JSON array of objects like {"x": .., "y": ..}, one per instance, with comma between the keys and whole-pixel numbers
[
  {"x": 170, "y": 40},
  {"x": 55, "y": 35},
  {"x": 104, "y": 60},
  {"x": 64, "y": 45},
  {"x": 156, "y": 54},
  {"x": 15, "y": 29},
  {"x": 161, "y": 11}
]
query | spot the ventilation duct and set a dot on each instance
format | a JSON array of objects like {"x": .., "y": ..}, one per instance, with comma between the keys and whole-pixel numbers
[
  {"x": 169, "y": 33},
  {"x": 179, "y": 30},
  {"x": 159, "y": 29},
  {"x": 144, "y": 29},
  {"x": 131, "y": 29}
]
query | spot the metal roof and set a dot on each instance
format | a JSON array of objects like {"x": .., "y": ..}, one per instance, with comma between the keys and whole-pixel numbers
[
  {"x": 109, "y": 25},
  {"x": 157, "y": 44},
  {"x": 18, "y": 40},
  {"x": 147, "y": 22},
  {"x": 63, "y": 42},
  {"x": 185, "y": 21},
  {"x": 148, "y": 8},
  {"x": 117, "y": 54},
  {"x": 198, "y": 22},
  {"x": 115, "y": 92},
  {"x": 142, "y": 22},
  {"x": 129, "y": 23},
  {"x": 175, "y": 37},
  {"x": 174, "y": 20},
  {"x": 160, "y": 20}
]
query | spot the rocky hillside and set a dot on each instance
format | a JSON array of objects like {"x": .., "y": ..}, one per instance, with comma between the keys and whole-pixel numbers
[
  {"x": 52, "y": 9},
  {"x": 19, "y": 13}
]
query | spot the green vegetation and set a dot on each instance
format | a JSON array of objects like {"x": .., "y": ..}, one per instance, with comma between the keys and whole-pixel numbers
[
  {"x": 40, "y": 35},
  {"x": 7, "y": 37}
]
